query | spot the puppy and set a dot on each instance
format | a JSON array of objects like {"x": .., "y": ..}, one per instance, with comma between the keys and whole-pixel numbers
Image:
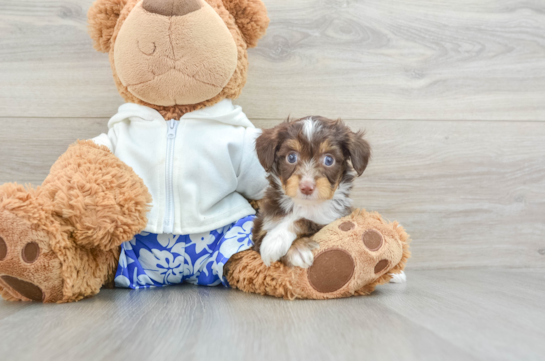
[{"x": 311, "y": 165}]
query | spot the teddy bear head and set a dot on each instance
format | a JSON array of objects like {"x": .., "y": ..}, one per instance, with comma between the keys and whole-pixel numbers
[{"x": 177, "y": 56}]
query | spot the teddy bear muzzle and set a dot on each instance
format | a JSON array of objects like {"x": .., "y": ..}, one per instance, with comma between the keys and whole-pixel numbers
[{"x": 174, "y": 52}]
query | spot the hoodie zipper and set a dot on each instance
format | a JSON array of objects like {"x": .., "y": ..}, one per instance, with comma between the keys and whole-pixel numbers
[{"x": 168, "y": 224}]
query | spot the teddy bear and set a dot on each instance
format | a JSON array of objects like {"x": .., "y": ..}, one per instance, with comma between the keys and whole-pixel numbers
[{"x": 164, "y": 197}]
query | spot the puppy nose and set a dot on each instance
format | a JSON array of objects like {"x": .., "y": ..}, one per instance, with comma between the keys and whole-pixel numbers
[
  {"x": 171, "y": 7},
  {"x": 307, "y": 188}
]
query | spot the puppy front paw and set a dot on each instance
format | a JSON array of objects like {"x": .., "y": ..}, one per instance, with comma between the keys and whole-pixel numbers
[
  {"x": 398, "y": 277},
  {"x": 300, "y": 253},
  {"x": 275, "y": 245}
]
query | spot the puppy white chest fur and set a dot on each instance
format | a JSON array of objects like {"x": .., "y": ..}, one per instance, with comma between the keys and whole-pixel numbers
[
  {"x": 322, "y": 213},
  {"x": 282, "y": 233},
  {"x": 277, "y": 242}
]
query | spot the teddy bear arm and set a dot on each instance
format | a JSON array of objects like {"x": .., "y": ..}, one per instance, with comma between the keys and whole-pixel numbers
[{"x": 99, "y": 200}]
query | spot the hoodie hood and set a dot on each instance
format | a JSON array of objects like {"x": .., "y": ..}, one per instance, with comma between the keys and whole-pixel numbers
[{"x": 223, "y": 112}]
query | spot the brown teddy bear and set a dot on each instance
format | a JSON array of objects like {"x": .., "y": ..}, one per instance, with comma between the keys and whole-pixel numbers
[{"x": 175, "y": 171}]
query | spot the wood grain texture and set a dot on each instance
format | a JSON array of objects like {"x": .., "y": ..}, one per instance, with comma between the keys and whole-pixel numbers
[
  {"x": 439, "y": 315},
  {"x": 29, "y": 147},
  {"x": 469, "y": 193},
  {"x": 422, "y": 59}
]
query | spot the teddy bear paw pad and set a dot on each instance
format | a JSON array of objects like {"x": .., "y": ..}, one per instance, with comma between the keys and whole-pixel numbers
[
  {"x": 332, "y": 269},
  {"x": 30, "y": 252},
  {"x": 3, "y": 249},
  {"x": 25, "y": 289},
  {"x": 381, "y": 265},
  {"x": 373, "y": 240},
  {"x": 29, "y": 269},
  {"x": 347, "y": 226}
]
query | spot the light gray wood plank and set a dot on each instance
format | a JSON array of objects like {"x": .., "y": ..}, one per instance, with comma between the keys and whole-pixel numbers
[
  {"x": 423, "y": 59},
  {"x": 469, "y": 193},
  {"x": 48, "y": 66},
  {"x": 10, "y": 308},
  {"x": 477, "y": 314},
  {"x": 29, "y": 147},
  {"x": 493, "y": 314}
]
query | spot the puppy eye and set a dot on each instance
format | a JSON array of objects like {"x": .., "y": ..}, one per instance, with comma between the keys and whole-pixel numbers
[
  {"x": 329, "y": 161},
  {"x": 291, "y": 158}
]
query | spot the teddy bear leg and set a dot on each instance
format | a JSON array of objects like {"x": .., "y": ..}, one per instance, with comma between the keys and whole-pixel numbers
[
  {"x": 60, "y": 242},
  {"x": 356, "y": 254}
]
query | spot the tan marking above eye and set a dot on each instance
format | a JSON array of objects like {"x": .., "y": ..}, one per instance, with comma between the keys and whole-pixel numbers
[
  {"x": 294, "y": 144},
  {"x": 373, "y": 240},
  {"x": 30, "y": 252},
  {"x": 381, "y": 265},
  {"x": 325, "y": 147},
  {"x": 147, "y": 49},
  {"x": 3, "y": 249}
]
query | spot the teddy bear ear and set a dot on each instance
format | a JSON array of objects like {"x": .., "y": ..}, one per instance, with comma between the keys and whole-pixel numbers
[
  {"x": 102, "y": 17},
  {"x": 251, "y": 18}
]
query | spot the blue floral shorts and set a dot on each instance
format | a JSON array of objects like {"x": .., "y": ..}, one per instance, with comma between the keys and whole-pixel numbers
[{"x": 156, "y": 260}]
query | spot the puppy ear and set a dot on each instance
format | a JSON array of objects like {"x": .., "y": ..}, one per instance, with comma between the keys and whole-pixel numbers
[
  {"x": 102, "y": 17},
  {"x": 251, "y": 18},
  {"x": 265, "y": 146},
  {"x": 360, "y": 151}
]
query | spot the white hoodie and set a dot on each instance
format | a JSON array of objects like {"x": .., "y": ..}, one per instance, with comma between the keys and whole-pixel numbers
[{"x": 197, "y": 169}]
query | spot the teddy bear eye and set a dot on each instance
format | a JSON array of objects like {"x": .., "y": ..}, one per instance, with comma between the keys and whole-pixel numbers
[
  {"x": 292, "y": 158},
  {"x": 329, "y": 161},
  {"x": 146, "y": 48}
]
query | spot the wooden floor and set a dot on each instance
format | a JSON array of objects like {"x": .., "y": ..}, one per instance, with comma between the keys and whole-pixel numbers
[{"x": 478, "y": 314}]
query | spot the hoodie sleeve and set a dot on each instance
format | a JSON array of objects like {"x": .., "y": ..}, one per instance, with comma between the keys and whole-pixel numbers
[
  {"x": 108, "y": 140},
  {"x": 252, "y": 178}
]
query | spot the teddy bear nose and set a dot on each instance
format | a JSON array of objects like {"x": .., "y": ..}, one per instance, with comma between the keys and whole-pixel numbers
[{"x": 172, "y": 7}]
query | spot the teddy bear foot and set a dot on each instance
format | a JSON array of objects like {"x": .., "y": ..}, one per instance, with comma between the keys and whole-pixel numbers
[
  {"x": 29, "y": 269},
  {"x": 363, "y": 249},
  {"x": 356, "y": 254}
]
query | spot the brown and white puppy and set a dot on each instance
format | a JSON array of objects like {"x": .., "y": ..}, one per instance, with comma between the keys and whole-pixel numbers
[{"x": 310, "y": 164}]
